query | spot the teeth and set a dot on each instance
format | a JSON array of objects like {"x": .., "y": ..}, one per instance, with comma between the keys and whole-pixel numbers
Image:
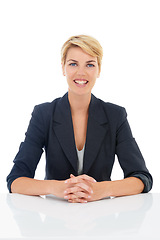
[{"x": 80, "y": 82}]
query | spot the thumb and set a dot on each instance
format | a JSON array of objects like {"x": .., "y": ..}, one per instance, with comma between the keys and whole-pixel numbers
[{"x": 72, "y": 176}]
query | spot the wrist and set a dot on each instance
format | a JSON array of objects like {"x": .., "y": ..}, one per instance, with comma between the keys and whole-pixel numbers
[
  {"x": 56, "y": 188},
  {"x": 106, "y": 187}
]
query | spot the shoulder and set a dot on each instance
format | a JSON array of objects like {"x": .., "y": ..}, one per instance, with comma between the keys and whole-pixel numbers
[
  {"x": 47, "y": 106},
  {"x": 115, "y": 114},
  {"x": 112, "y": 108},
  {"x": 45, "y": 110}
]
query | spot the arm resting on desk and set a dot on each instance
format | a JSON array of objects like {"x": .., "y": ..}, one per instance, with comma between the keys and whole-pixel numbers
[
  {"x": 125, "y": 187},
  {"x": 29, "y": 186}
]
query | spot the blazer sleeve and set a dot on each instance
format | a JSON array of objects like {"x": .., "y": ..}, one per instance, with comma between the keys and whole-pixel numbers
[
  {"x": 30, "y": 150},
  {"x": 129, "y": 155}
]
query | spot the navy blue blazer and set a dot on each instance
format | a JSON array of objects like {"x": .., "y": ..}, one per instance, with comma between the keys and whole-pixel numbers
[{"x": 108, "y": 134}]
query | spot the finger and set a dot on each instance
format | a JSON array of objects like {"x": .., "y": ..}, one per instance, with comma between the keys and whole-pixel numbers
[
  {"x": 79, "y": 195},
  {"x": 70, "y": 197},
  {"x": 78, "y": 200},
  {"x": 71, "y": 175},
  {"x": 72, "y": 180},
  {"x": 77, "y": 179},
  {"x": 74, "y": 189},
  {"x": 85, "y": 187},
  {"x": 82, "y": 186},
  {"x": 73, "y": 198},
  {"x": 88, "y": 178},
  {"x": 77, "y": 192}
]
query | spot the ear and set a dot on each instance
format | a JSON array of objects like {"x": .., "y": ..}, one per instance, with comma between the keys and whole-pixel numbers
[{"x": 63, "y": 70}]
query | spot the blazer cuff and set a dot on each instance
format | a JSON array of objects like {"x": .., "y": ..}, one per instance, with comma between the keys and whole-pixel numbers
[{"x": 147, "y": 182}]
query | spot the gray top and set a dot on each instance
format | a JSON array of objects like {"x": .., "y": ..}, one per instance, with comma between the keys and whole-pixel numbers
[{"x": 80, "y": 160}]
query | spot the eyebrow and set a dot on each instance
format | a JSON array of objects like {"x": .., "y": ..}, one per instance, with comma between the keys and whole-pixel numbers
[
  {"x": 71, "y": 60},
  {"x": 91, "y": 61},
  {"x": 77, "y": 61}
]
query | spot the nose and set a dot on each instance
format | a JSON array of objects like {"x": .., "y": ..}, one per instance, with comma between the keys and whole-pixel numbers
[{"x": 81, "y": 71}]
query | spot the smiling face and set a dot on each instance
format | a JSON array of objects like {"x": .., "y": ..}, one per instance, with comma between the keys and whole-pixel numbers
[{"x": 81, "y": 71}]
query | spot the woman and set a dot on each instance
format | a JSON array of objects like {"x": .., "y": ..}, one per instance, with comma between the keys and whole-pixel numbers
[{"x": 80, "y": 135}]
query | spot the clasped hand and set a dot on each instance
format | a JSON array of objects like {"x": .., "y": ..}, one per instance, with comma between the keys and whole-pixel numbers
[{"x": 82, "y": 189}]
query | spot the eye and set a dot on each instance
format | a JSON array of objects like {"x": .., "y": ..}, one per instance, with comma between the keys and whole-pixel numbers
[
  {"x": 90, "y": 65},
  {"x": 73, "y": 64}
]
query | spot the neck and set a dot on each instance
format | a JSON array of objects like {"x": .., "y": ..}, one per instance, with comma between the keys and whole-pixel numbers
[{"x": 79, "y": 103}]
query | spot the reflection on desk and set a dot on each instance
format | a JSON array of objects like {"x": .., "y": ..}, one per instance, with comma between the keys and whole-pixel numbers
[{"x": 131, "y": 217}]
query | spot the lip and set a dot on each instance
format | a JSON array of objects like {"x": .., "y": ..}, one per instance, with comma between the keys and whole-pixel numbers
[
  {"x": 80, "y": 79},
  {"x": 80, "y": 82}
]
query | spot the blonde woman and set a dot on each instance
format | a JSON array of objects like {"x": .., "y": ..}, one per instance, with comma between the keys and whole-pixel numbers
[{"x": 80, "y": 135}]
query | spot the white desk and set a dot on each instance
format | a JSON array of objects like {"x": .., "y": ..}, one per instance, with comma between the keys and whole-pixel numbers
[{"x": 133, "y": 217}]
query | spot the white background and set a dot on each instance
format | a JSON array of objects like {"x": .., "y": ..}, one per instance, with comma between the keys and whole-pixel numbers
[{"x": 31, "y": 35}]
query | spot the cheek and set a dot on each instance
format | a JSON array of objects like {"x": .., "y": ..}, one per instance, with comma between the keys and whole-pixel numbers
[
  {"x": 94, "y": 74},
  {"x": 69, "y": 72}
]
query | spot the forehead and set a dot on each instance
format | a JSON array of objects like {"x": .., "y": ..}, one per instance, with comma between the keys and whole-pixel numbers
[{"x": 78, "y": 54}]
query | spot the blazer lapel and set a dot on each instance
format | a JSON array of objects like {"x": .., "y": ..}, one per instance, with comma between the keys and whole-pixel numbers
[
  {"x": 63, "y": 129},
  {"x": 96, "y": 131}
]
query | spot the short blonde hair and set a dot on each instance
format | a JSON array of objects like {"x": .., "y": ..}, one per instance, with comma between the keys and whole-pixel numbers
[{"x": 89, "y": 44}]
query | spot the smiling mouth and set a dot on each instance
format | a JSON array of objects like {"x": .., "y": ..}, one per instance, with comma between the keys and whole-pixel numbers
[{"x": 81, "y": 81}]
